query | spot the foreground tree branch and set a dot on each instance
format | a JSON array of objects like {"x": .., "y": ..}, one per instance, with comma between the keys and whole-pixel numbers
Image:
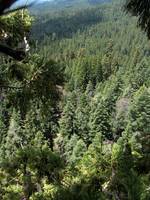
[
  {"x": 141, "y": 9},
  {"x": 5, "y": 4},
  {"x": 4, "y": 10},
  {"x": 16, "y": 54}
]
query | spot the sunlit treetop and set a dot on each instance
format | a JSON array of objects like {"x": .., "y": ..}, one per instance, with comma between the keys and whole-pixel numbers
[{"x": 15, "y": 24}]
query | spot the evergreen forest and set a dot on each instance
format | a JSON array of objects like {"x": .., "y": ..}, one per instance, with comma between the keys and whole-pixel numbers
[{"x": 75, "y": 100}]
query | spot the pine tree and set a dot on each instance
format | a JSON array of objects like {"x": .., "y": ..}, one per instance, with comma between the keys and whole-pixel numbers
[
  {"x": 77, "y": 153},
  {"x": 82, "y": 117},
  {"x": 99, "y": 121},
  {"x": 69, "y": 145},
  {"x": 140, "y": 125},
  {"x": 13, "y": 139},
  {"x": 107, "y": 62},
  {"x": 67, "y": 122},
  {"x": 124, "y": 181}
]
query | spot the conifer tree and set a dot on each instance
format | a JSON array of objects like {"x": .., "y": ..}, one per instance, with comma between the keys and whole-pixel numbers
[
  {"x": 69, "y": 145},
  {"x": 140, "y": 125},
  {"x": 82, "y": 118},
  {"x": 99, "y": 121},
  {"x": 77, "y": 153},
  {"x": 124, "y": 181},
  {"x": 67, "y": 122}
]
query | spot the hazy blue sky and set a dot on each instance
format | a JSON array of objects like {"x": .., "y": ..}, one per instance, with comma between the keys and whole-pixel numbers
[{"x": 29, "y": 1}]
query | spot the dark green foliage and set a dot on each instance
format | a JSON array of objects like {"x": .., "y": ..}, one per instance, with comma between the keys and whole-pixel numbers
[
  {"x": 124, "y": 182},
  {"x": 67, "y": 122},
  {"x": 139, "y": 128},
  {"x": 140, "y": 8},
  {"x": 70, "y": 23},
  {"x": 100, "y": 120}
]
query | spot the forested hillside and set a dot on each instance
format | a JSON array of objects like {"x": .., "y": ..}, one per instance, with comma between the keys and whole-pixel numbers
[{"x": 75, "y": 113}]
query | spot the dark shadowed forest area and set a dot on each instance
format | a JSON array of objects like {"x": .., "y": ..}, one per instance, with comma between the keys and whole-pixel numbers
[{"x": 75, "y": 100}]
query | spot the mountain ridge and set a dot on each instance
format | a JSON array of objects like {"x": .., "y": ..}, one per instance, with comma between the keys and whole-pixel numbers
[{"x": 48, "y": 6}]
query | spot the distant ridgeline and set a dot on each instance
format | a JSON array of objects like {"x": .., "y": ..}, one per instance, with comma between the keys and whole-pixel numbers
[
  {"x": 65, "y": 24},
  {"x": 63, "y": 18},
  {"x": 80, "y": 1},
  {"x": 98, "y": 1},
  {"x": 50, "y": 6}
]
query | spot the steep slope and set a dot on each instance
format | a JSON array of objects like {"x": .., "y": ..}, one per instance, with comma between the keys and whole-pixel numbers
[{"x": 107, "y": 99}]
